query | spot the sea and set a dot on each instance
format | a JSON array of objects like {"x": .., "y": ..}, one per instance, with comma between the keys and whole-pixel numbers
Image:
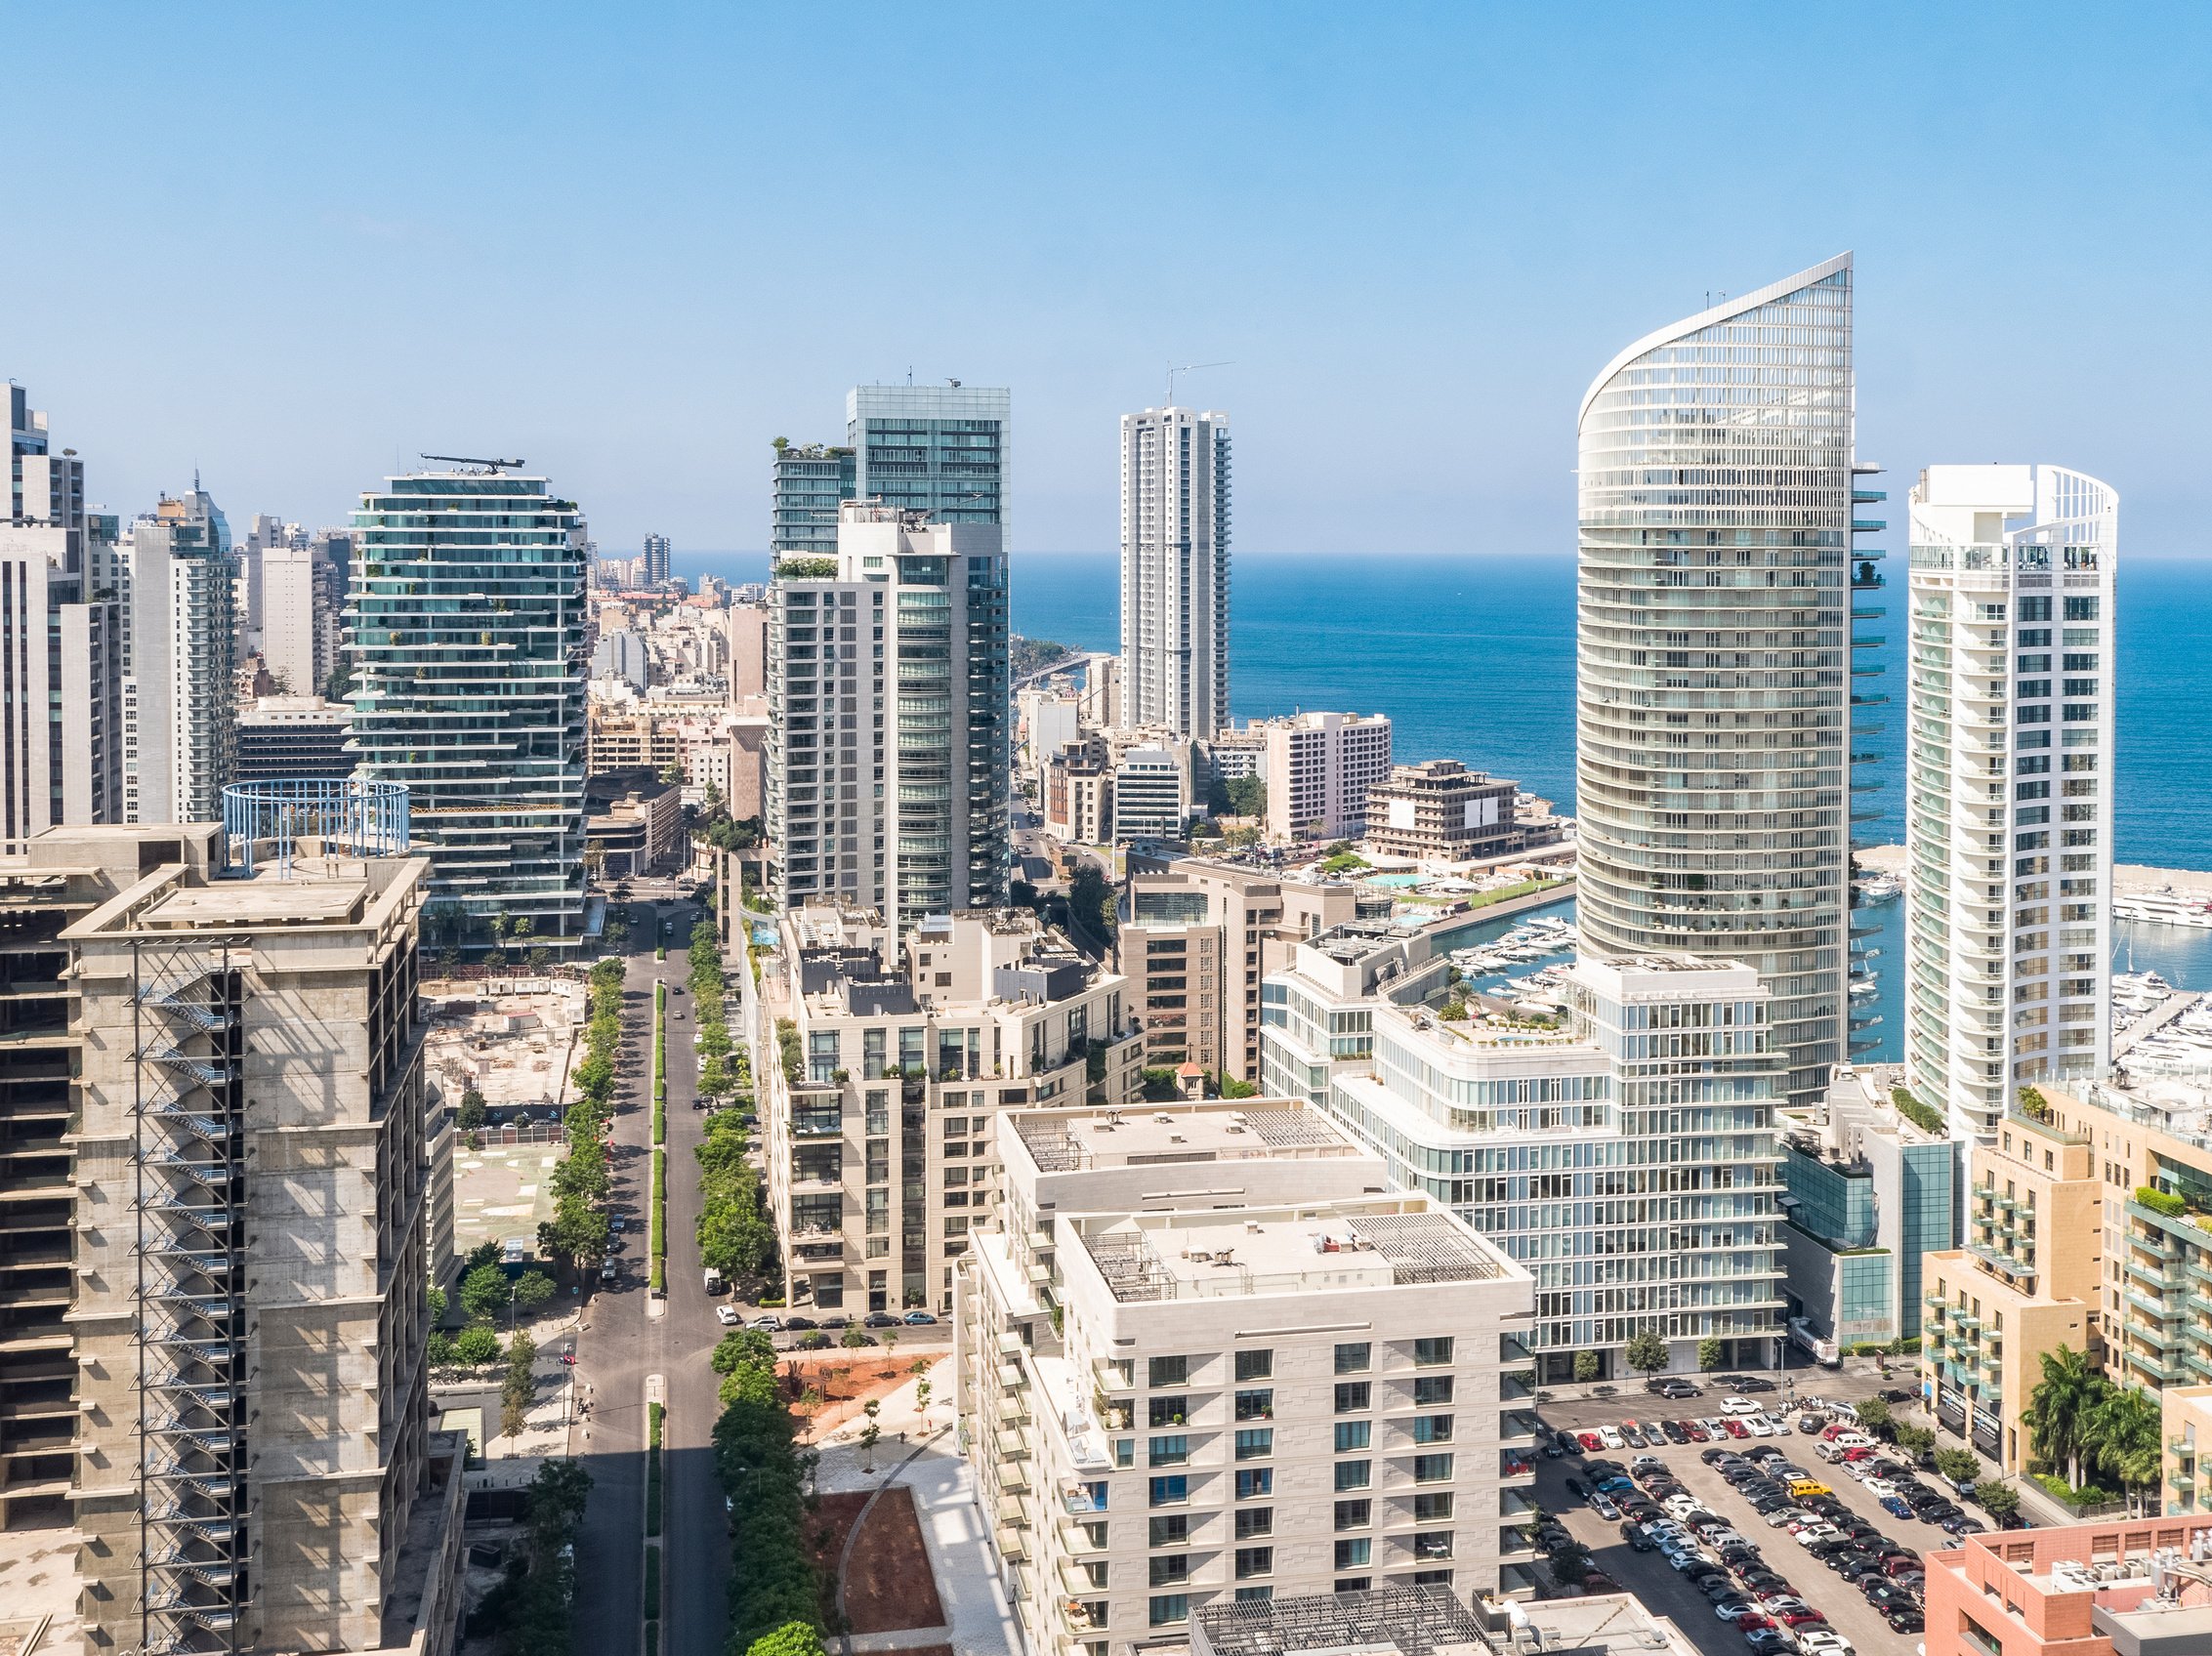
[{"x": 1473, "y": 658}]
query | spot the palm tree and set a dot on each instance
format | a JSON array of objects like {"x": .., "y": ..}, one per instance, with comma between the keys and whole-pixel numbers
[
  {"x": 2121, "y": 1438},
  {"x": 2058, "y": 1411}
]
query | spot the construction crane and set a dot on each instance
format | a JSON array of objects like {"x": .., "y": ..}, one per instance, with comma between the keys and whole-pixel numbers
[{"x": 1188, "y": 368}]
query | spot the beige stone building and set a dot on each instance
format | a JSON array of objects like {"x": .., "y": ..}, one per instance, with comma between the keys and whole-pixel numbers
[
  {"x": 882, "y": 1156},
  {"x": 1195, "y": 940},
  {"x": 1284, "y": 1378},
  {"x": 2026, "y": 1282},
  {"x": 1440, "y": 812}
]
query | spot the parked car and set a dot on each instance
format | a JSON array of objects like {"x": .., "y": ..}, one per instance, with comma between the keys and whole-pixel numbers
[
  {"x": 727, "y": 1315},
  {"x": 920, "y": 1319},
  {"x": 792, "y": 1325},
  {"x": 879, "y": 1319}
]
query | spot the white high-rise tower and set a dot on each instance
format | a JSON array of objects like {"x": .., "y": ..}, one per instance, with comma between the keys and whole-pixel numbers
[
  {"x": 1712, "y": 707},
  {"x": 1174, "y": 572},
  {"x": 2009, "y": 785}
]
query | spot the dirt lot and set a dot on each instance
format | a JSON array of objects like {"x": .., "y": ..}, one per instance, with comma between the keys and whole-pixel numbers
[
  {"x": 890, "y": 1585},
  {"x": 839, "y": 1385}
]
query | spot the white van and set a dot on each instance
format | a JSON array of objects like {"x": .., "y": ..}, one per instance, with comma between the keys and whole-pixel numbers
[{"x": 715, "y": 1284}]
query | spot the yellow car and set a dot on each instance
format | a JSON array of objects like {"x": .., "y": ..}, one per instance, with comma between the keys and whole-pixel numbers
[{"x": 1801, "y": 1487}]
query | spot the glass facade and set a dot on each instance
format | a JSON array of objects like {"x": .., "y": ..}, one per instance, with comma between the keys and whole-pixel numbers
[
  {"x": 465, "y": 630},
  {"x": 1715, "y": 506},
  {"x": 939, "y": 449},
  {"x": 811, "y": 482}
]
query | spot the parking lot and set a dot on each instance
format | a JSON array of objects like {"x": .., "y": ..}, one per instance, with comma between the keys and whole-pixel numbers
[{"x": 1652, "y": 1579}]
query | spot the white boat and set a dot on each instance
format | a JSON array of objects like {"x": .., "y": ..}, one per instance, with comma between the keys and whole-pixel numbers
[
  {"x": 2162, "y": 908},
  {"x": 1880, "y": 889},
  {"x": 1861, "y": 986}
]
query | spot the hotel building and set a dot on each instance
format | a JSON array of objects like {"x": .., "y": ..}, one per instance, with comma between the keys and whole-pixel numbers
[
  {"x": 2009, "y": 785},
  {"x": 1318, "y": 768}
]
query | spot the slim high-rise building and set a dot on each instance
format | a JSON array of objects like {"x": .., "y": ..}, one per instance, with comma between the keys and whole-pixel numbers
[
  {"x": 2009, "y": 785},
  {"x": 179, "y": 659},
  {"x": 1713, "y": 704},
  {"x": 888, "y": 737},
  {"x": 939, "y": 449},
  {"x": 61, "y": 643},
  {"x": 466, "y": 632},
  {"x": 1174, "y": 572},
  {"x": 655, "y": 559},
  {"x": 285, "y": 582}
]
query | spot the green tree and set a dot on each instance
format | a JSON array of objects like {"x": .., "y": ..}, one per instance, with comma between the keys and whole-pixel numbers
[
  {"x": 472, "y": 1114},
  {"x": 1999, "y": 1500},
  {"x": 871, "y": 1435},
  {"x": 743, "y": 1346},
  {"x": 2122, "y": 1440},
  {"x": 1874, "y": 1416},
  {"x": 1916, "y": 1441},
  {"x": 1708, "y": 1353},
  {"x": 483, "y": 1291},
  {"x": 435, "y": 1299},
  {"x": 854, "y": 1337},
  {"x": 792, "y": 1638},
  {"x": 1960, "y": 1466},
  {"x": 476, "y": 1346},
  {"x": 1585, "y": 1365},
  {"x": 532, "y": 1288},
  {"x": 1646, "y": 1352},
  {"x": 1247, "y": 796}
]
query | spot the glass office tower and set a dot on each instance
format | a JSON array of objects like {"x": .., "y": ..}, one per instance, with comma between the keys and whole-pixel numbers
[
  {"x": 1713, "y": 650},
  {"x": 939, "y": 449},
  {"x": 465, "y": 630}
]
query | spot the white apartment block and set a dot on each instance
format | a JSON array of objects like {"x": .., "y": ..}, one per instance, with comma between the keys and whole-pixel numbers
[
  {"x": 1175, "y": 570},
  {"x": 1049, "y": 719},
  {"x": 1196, "y": 938},
  {"x": 1628, "y": 1157},
  {"x": 880, "y": 1158},
  {"x": 2009, "y": 785},
  {"x": 889, "y": 758},
  {"x": 289, "y": 645},
  {"x": 1151, "y": 793},
  {"x": 1318, "y": 768},
  {"x": 1273, "y": 1376},
  {"x": 179, "y": 595}
]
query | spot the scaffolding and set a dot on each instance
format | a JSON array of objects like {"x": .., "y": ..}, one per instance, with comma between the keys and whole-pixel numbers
[
  {"x": 189, "y": 1140},
  {"x": 343, "y": 816}
]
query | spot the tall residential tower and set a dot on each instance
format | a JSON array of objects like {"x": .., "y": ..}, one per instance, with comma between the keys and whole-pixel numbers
[
  {"x": 890, "y": 740},
  {"x": 1713, "y": 653},
  {"x": 1174, "y": 572},
  {"x": 939, "y": 449},
  {"x": 2009, "y": 785},
  {"x": 466, "y": 632},
  {"x": 180, "y": 592}
]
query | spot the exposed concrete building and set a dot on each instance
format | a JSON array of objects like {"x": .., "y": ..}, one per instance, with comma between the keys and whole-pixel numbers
[
  {"x": 1273, "y": 1370},
  {"x": 881, "y": 1154},
  {"x": 635, "y": 820},
  {"x": 255, "y": 1429},
  {"x": 1318, "y": 768}
]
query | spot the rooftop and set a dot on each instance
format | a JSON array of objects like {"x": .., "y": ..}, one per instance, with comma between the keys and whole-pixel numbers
[
  {"x": 1388, "y": 1242},
  {"x": 1069, "y": 1140},
  {"x": 263, "y": 901},
  {"x": 1417, "y": 1621}
]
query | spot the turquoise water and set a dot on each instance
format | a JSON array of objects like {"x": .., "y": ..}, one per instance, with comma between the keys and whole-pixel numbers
[{"x": 1473, "y": 658}]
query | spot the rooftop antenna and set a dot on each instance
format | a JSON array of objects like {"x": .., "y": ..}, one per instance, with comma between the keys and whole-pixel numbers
[{"x": 1188, "y": 368}]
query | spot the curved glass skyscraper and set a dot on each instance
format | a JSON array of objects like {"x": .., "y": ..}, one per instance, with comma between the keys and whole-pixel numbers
[{"x": 1713, "y": 665}]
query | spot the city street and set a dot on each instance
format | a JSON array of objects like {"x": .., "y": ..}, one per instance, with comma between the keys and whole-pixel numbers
[{"x": 623, "y": 1345}]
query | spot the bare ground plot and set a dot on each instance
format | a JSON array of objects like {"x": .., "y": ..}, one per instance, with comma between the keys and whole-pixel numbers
[{"x": 890, "y": 1586}]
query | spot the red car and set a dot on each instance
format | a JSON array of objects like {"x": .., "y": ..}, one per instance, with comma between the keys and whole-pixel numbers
[
  {"x": 1590, "y": 1442},
  {"x": 1694, "y": 1432},
  {"x": 1752, "y": 1623},
  {"x": 1800, "y": 1618},
  {"x": 1857, "y": 1455},
  {"x": 1735, "y": 1428}
]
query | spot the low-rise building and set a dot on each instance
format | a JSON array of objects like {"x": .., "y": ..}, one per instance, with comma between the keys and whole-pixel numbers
[
  {"x": 1394, "y": 1620},
  {"x": 882, "y": 1124},
  {"x": 2119, "y": 1587},
  {"x": 1868, "y": 1194},
  {"x": 2185, "y": 1429},
  {"x": 1440, "y": 812},
  {"x": 1077, "y": 793},
  {"x": 636, "y": 822},
  {"x": 1292, "y": 1379},
  {"x": 2026, "y": 1282},
  {"x": 288, "y": 738},
  {"x": 1151, "y": 794}
]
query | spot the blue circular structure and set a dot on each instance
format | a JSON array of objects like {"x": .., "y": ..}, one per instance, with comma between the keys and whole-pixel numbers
[{"x": 348, "y": 817}]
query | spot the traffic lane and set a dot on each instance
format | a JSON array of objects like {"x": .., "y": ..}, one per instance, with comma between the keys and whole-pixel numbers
[{"x": 1843, "y": 1605}]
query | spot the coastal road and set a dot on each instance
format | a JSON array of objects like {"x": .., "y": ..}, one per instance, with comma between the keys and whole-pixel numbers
[{"x": 622, "y": 1346}]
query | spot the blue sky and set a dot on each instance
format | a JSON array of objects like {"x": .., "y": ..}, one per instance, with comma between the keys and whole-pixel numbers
[{"x": 633, "y": 244}]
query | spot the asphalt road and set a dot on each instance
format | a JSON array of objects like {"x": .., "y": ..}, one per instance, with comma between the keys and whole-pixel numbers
[{"x": 621, "y": 1346}]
